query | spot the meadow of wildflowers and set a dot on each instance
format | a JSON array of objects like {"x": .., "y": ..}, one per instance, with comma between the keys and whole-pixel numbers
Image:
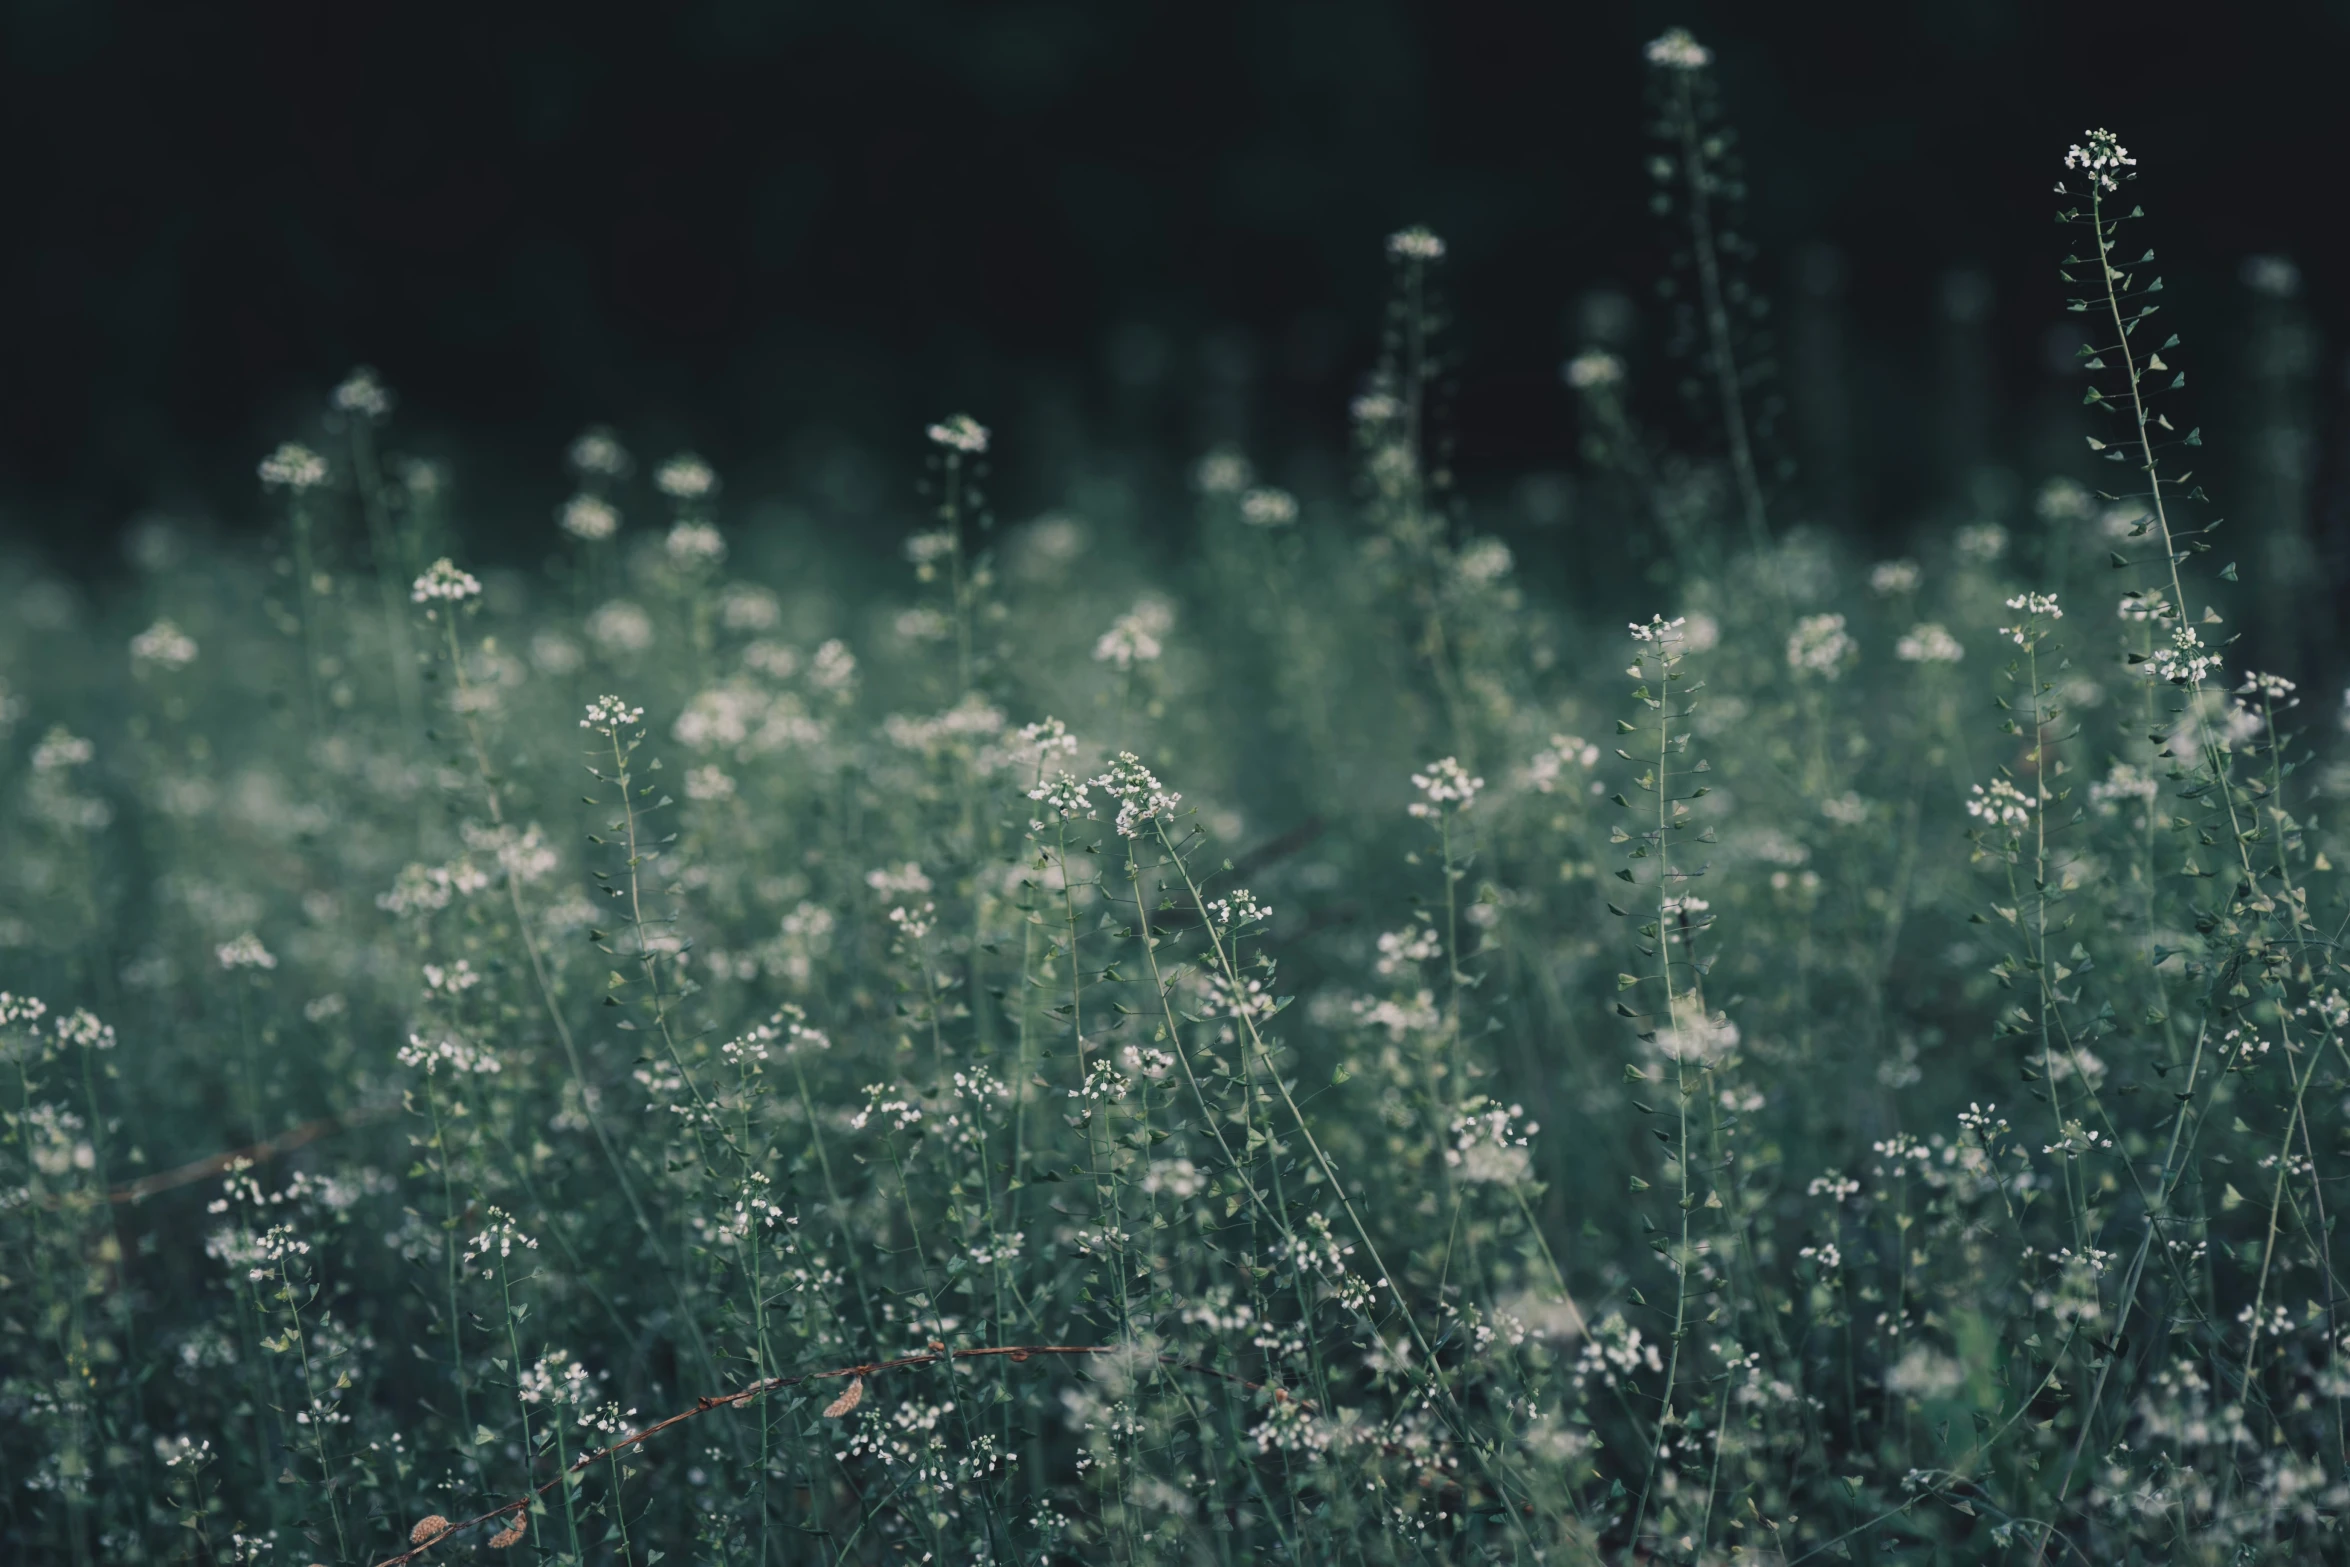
[{"x": 1327, "y": 1050}]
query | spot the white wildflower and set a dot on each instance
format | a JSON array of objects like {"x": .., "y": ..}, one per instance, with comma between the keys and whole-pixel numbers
[
  {"x": 2103, "y": 157},
  {"x": 1445, "y": 784},
  {"x": 243, "y": 952},
  {"x": 960, "y": 433},
  {"x": 293, "y": 466},
  {"x": 589, "y": 518},
  {"x": 1818, "y": 645},
  {"x": 1415, "y": 244},
  {"x": 1928, "y": 643},
  {"x": 165, "y": 646},
  {"x": 686, "y": 477},
  {"x": 1676, "y": 50}
]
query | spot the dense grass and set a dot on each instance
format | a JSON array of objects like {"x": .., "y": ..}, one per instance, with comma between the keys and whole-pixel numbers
[{"x": 1315, "y": 1053}]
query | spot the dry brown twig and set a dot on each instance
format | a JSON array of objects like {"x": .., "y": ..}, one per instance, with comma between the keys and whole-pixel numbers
[{"x": 433, "y": 1529}]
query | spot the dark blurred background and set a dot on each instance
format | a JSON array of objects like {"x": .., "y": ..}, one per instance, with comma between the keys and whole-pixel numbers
[{"x": 789, "y": 235}]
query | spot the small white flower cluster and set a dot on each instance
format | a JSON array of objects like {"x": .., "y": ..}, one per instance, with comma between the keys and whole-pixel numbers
[
  {"x": 2001, "y": 805},
  {"x": 557, "y": 1379},
  {"x": 2186, "y": 661},
  {"x": 454, "y": 980},
  {"x": 362, "y": 393},
  {"x": 1403, "y": 949},
  {"x": 1241, "y": 908},
  {"x": 1981, "y": 542},
  {"x": 293, "y": 466},
  {"x": 598, "y": 451},
  {"x": 1928, "y": 643},
  {"x": 1565, "y": 751},
  {"x": 444, "y": 582},
  {"x": 960, "y": 433},
  {"x": 429, "y": 1056},
  {"x": 1064, "y": 795},
  {"x": 1133, "y": 638},
  {"x": 2037, "y": 606},
  {"x": 1615, "y": 1351},
  {"x": 1889, "y": 577},
  {"x": 620, "y": 627},
  {"x": 2269, "y": 688},
  {"x": 589, "y": 518},
  {"x": 244, "y": 952},
  {"x": 60, "y": 749},
  {"x": 1819, "y": 645},
  {"x": 900, "y": 1112},
  {"x": 501, "y": 1237},
  {"x": 1445, "y": 785},
  {"x": 1676, "y": 50},
  {"x": 1141, "y": 797},
  {"x": 164, "y": 646},
  {"x": 1592, "y": 369},
  {"x": 1660, "y": 630},
  {"x": 1268, "y": 508},
  {"x": 686, "y": 477},
  {"x": 898, "y": 881},
  {"x": 608, "y": 715},
  {"x": 81, "y": 1027},
  {"x": 1415, "y": 244},
  {"x": 1490, "y": 1145},
  {"x": 2102, "y": 157},
  {"x": 1223, "y": 471},
  {"x": 1242, "y": 999},
  {"x": 695, "y": 544}
]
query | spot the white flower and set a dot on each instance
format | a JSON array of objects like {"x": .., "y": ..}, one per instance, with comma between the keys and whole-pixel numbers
[
  {"x": 2101, "y": 157},
  {"x": 609, "y": 715},
  {"x": 620, "y": 627},
  {"x": 1675, "y": 50},
  {"x": 1223, "y": 471},
  {"x": 1484, "y": 562},
  {"x": 1415, "y": 244},
  {"x": 1888, "y": 577},
  {"x": 60, "y": 749},
  {"x": 2002, "y": 805},
  {"x": 1928, "y": 643},
  {"x": 589, "y": 518},
  {"x": 293, "y": 466},
  {"x": 164, "y": 645},
  {"x": 1489, "y": 1144},
  {"x": 443, "y": 581},
  {"x": 2186, "y": 661},
  {"x": 1981, "y": 541},
  {"x": 362, "y": 394},
  {"x": 744, "y": 606},
  {"x": 686, "y": 477},
  {"x": 245, "y": 951},
  {"x": 708, "y": 784},
  {"x": 1591, "y": 369},
  {"x": 1819, "y": 645},
  {"x": 2273, "y": 688},
  {"x": 1445, "y": 783},
  {"x": 1659, "y": 630},
  {"x": 598, "y": 451},
  {"x": 1268, "y": 508},
  {"x": 695, "y": 544},
  {"x": 960, "y": 433},
  {"x": 1134, "y": 637},
  {"x": 898, "y": 881},
  {"x": 1141, "y": 797}
]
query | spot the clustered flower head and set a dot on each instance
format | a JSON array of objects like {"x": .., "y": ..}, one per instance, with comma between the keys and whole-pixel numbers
[
  {"x": 1889, "y": 577},
  {"x": 2186, "y": 661},
  {"x": 444, "y": 582},
  {"x": 1818, "y": 645},
  {"x": 2271, "y": 688},
  {"x": 244, "y": 952},
  {"x": 589, "y": 518},
  {"x": 2038, "y": 606},
  {"x": 1592, "y": 369},
  {"x": 686, "y": 477},
  {"x": 2103, "y": 157},
  {"x": 1676, "y": 50},
  {"x": 362, "y": 393},
  {"x": 960, "y": 433},
  {"x": 599, "y": 452},
  {"x": 1223, "y": 471},
  {"x": 1133, "y": 638},
  {"x": 1660, "y": 630},
  {"x": 608, "y": 715},
  {"x": 1268, "y": 508},
  {"x": 2001, "y": 805},
  {"x": 1415, "y": 244},
  {"x": 1928, "y": 643},
  {"x": 1445, "y": 785},
  {"x": 695, "y": 544},
  {"x": 293, "y": 466},
  {"x": 1141, "y": 797},
  {"x": 164, "y": 646}
]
